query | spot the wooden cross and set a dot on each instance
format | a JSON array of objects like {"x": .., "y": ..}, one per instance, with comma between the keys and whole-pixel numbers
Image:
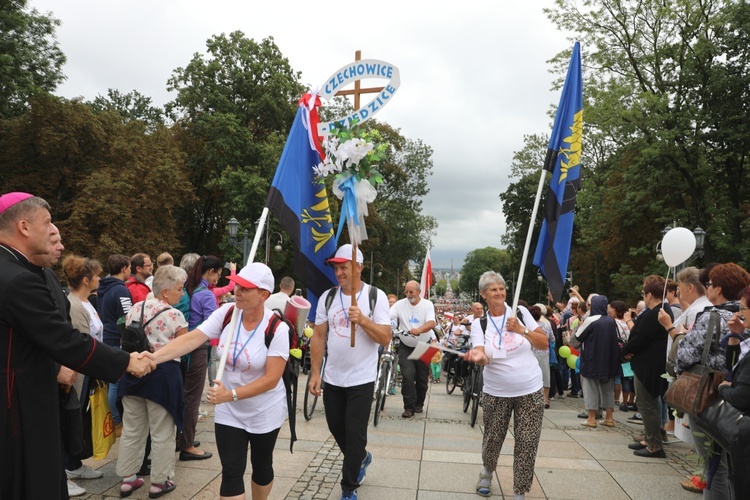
[{"x": 357, "y": 91}]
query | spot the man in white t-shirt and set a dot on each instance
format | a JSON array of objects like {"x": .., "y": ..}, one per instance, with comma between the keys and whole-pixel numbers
[
  {"x": 350, "y": 371},
  {"x": 279, "y": 299},
  {"x": 477, "y": 311},
  {"x": 416, "y": 317}
]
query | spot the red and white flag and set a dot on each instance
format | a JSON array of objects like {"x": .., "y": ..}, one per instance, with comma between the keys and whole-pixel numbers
[
  {"x": 426, "y": 282},
  {"x": 424, "y": 352}
]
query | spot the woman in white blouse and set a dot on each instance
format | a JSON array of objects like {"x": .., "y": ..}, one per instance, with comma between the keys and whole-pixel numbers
[
  {"x": 250, "y": 398},
  {"x": 512, "y": 383}
]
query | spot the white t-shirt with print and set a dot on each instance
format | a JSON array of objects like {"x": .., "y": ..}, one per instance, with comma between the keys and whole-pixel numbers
[
  {"x": 351, "y": 366},
  {"x": 409, "y": 316},
  {"x": 161, "y": 330},
  {"x": 246, "y": 362},
  {"x": 513, "y": 369}
]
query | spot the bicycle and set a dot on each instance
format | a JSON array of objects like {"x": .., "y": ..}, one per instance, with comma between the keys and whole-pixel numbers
[
  {"x": 477, "y": 374},
  {"x": 468, "y": 386},
  {"x": 385, "y": 383},
  {"x": 455, "y": 366},
  {"x": 310, "y": 399}
]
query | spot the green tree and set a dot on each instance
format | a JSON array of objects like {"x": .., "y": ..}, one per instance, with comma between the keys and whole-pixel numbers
[
  {"x": 30, "y": 59},
  {"x": 398, "y": 229},
  {"x": 440, "y": 287},
  {"x": 668, "y": 95},
  {"x": 481, "y": 260},
  {"x": 234, "y": 106},
  {"x": 130, "y": 106},
  {"x": 665, "y": 135},
  {"x": 112, "y": 187}
]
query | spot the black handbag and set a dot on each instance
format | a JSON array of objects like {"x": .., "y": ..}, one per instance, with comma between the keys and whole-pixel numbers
[
  {"x": 724, "y": 423},
  {"x": 71, "y": 421},
  {"x": 87, "y": 449}
]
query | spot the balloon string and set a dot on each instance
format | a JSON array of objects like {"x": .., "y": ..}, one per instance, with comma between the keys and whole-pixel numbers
[{"x": 666, "y": 280}]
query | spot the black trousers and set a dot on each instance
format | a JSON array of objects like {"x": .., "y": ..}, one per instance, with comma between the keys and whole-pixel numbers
[
  {"x": 556, "y": 385},
  {"x": 232, "y": 444},
  {"x": 347, "y": 413},
  {"x": 414, "y": 376}
]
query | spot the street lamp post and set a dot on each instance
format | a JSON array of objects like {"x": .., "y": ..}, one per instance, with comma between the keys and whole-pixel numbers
[
  {"x": 372, "y": 272},
  {"x": 233, "y": 226},
  {"x": 372, "y": 268},
  {"x": 276, "y": 248},
  {"x": 540, "y": 279},
  {"x": 700, "y": 242}
]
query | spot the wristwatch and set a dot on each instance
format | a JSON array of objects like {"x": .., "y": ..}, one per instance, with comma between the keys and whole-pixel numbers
[
  {"x": 234, "y": 395},
  {"x": 525, "y": 332}
]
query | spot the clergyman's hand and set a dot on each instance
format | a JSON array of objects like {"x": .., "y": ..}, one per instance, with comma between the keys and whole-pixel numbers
[{"x": 66, "y": 376}]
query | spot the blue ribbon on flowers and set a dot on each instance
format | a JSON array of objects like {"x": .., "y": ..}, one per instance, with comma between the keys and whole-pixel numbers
[{"x": 348, "y": 206}]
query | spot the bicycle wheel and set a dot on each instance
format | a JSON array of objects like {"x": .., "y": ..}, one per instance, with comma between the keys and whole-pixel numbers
[
  {"x": 468, "y": 387},
  {"x": 450, "y": 381},
  {"x": 389, "y": 382},
  {"x": 380, "y": 389},
  {"x": 310, "y": 400},
  {"x": 476, "y": 395}
]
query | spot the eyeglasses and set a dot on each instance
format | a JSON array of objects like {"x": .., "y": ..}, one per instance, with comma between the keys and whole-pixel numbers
[{"x": 709, "y": 284}]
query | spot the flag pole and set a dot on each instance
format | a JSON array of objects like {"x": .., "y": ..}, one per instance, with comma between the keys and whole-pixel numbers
[
  {"x": 258, "y": 234},
  {"x": 517, "y": 291},
  {"x": 236, "y": 312}
]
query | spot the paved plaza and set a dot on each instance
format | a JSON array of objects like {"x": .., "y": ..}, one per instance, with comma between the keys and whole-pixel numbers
[{"x": 436, "y": 456}]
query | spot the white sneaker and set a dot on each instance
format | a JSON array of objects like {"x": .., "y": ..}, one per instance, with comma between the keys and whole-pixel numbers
[
  {"x": 74, "y": 490},
  {"x": 84, "y": 472}
]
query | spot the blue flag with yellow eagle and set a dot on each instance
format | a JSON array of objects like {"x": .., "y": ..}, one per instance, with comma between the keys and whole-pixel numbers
[
  {"x": 301, "y": 205},
  {"x": 564, "y": 161}
]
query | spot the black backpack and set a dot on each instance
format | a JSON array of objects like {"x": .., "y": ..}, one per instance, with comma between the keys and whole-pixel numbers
[
  {"x": 134, "y": 337},
  {"x": 373, "y": 295},
  {"x": 291, "y": 371}
]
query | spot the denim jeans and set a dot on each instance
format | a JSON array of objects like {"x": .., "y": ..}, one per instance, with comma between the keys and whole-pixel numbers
[{"x": 112, "y": 398}]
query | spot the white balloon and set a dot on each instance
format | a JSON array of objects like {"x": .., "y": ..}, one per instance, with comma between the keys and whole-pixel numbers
[{"x": 677, "y": 246}]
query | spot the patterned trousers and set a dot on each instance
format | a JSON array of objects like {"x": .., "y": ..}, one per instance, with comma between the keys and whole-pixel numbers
[{"x": 528, "y": 413}]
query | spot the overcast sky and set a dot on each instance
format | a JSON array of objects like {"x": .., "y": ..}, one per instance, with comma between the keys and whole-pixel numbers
[{"x": 474, "y": 76}]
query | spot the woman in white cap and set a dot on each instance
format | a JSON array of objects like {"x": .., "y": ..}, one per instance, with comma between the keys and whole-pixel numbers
[{"x": 250, "y": 398}]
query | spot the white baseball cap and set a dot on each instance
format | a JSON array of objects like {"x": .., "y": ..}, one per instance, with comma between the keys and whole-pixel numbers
[
  {"x": 255, "y": 275},
  {"x": 344, "y": 254}
]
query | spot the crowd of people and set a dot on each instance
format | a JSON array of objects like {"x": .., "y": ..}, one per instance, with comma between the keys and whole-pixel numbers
[
  {"x": 623, "y": 358},
  {"x": 72, "y": 338},
  {"x": 613, "y": 356}
]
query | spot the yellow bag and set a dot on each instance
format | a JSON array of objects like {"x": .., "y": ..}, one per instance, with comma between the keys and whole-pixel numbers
[{"x": 102, "y": 425}]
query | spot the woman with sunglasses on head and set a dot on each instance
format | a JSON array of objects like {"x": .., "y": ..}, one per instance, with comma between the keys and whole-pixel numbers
[{"x": 205, "y": 272}]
